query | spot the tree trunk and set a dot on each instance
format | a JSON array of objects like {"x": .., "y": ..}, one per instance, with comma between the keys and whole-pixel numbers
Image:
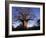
[{"x": 25, "y": 25}]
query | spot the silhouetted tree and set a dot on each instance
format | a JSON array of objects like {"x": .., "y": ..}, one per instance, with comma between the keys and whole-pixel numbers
[
  {"x": 24, "y": 16},
  {"x": 38, "y": 22}
]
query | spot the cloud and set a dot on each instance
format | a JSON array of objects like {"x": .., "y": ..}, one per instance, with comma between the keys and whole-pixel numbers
[{"x": 16, "y": 23}]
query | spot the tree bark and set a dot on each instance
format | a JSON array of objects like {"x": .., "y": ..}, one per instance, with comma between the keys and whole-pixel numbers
[{"x": 25, "y": 25}]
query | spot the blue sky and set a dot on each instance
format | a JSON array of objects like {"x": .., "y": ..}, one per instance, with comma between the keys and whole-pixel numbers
[{"x": 15, "y": 12}]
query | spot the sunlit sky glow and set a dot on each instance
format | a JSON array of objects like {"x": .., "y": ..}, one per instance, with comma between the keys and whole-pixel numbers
[{"x": 31, "y": 23}]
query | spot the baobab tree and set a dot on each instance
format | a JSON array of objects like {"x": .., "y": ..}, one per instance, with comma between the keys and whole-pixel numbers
[{"x": 24, "y": 16}]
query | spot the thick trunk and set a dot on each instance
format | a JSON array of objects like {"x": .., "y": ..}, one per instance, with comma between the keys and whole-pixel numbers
[{"x": 25, "y": 24}]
